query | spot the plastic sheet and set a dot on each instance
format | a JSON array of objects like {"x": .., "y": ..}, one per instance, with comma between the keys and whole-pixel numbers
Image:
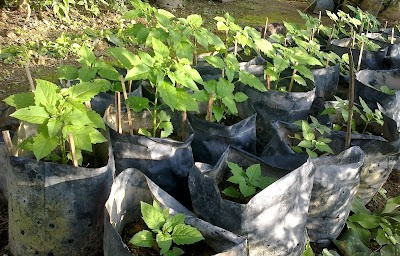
[
  {"x": 273, "y": 220},
  {"x": 123, "y": 206}
]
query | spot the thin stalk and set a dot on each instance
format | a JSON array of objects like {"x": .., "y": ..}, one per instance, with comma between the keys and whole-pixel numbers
[
  {"x": 292, "y": 81},
  {"x": 365, "y": 127},
  {"x": 268, "y": 83},
  {"x": 392, "y": 39},
  {"x": 327, "y": 63},
  {"x": 351, "y": 99},
  {"x": 360, "y": 56},
  {"x": 155, "y": 114},
  {"x": 209, "y": 106},
  {"x": 265, "y": 29},
  {"x": 72, "y": 147},
  {"x": 386, "y": 23},
  {"x": 362, "y": 27},
  {"x": 195, "y": 52},
  {"x": 330, "y": 36},
  {"x": 28, "y": 74}
]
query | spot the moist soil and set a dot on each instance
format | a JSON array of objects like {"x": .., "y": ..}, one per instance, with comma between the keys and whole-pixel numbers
[{"x": 196, "y": 249}]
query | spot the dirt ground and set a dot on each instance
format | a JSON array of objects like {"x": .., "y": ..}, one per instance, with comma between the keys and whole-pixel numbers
[{"x": 14, "y": 30}]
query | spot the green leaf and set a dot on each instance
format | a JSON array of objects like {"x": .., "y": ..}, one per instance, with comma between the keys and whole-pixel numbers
[
  {"x": 305, "y": 144},
  {"x": 254, "y": 172},
  {"x": 305, "y": 72},
  {"x": 54, "y": 125},
  {"x": 164, "y": 241},
  {"x": 146, "y": 59},
  {"x": 144, "y": 132},
  {"x": 107, "y": 71},
  {"x": 280, "y": 64},
  {"x": 308, "y": 133},
  {"x": 87, "y": 56},
  {"x": 391, "y": 205},
  {"x": 308, "y": 251},
  {"x": 240, "y": 97},
  {"x": 236, "y": 179},
  {"x": 173, "y": 222},
  {"x": 21, "y": 100},
  {"x": 96, "y": 136},
  {"x": 164, "y": 21},
  {"x": 138, "y": 103},
  {"x": 366, "y": 220},
  {"x": 86, "y": 74},
  {"x": 201, "y": 38},
  {"x": 251, "y": 80},
  {"x": 81, "y": 136},
  {"x": 224, "y": 88},
  {"x": 299, "y": 80},
  {"x": 350, "y": 245},
  {"x": 265, "y": 46},
  {"x": 195, "y": 20},
  {"x": 68, "y": 72},
  {"x": 359, "y": 232},
  {"x": 185, "y": 101},
  {"x": 359, "y": 207},
  {"x": 166, "y": 128},
  {"x": 139, "y": 72},
  {"x": 216, "y": 41},
  {"x": 185, "y": 50},
  {"x": 297, "y": 149},
  {"x": 125, "y": 57},
  {"x": 381, "y": 238},
  {"x": 321, "y": 146},
  {"x": 46, "y": 93},
  {"x": 84, "y": 91},
  {"x": 132, "y": 14},
  {"x": 201, "y": 95},
  {"x": 247, "y": 190},
  {"x": 215, "y": 61},
  {"x": 185, "y": 234},
  {"x": 95, "y": 119},
  {"x": 218, "y": 112},
  {"x": 43, "y": 145},
  {"x": 160, "y": 49},
  {"x": 236, "y": 169},
  {"x": 266, "y": 181},
  {"x": 175, "y": 252},
  {"x": 231, "y": 192},
  {"x": 231, "y": 104},
  {"x": 153, "y": 218},
  {"x": 311, "y": 154},
  {"x": 32, "y": 114},
  {"x": 143, "y": 238}
]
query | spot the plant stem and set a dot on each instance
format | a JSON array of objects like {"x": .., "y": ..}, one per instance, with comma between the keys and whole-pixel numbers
[
  {"x": 351, "y": 99},
  {"x": 365, "y": 127},
  {"x": 62, "y": 147},
  {"x": 155, "y": 114},
  {"x": 209, "y": 106}
]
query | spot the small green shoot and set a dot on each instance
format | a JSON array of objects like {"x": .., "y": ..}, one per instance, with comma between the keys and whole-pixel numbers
[
  {"x": 308, "y": 140},
  {"x": 167, "y": 229},
  {"x": 249, "y": 181}
]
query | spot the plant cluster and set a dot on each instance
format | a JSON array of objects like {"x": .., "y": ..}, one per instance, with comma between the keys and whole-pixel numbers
[
  {"x": 58, "y": 113},
  {"x": 249, "y": 182},
  {"x": 309, "y": 142},
  {"x": 167, "y": 229}
]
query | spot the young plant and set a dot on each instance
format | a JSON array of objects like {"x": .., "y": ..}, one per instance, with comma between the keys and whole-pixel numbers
[
  {"x": 167, "y": 229},
  {"x": 308, "y": 139},
  {"x": 59, "y": 112},
  {"x": 366, "y": 114},
  {"x": 250, "y": 181},
  {"x": 372, "y": 233}
]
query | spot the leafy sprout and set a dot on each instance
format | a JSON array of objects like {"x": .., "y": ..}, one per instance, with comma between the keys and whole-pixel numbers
[
  {"x": 250, "y": 181},
  {"x": 167, "y": 230}
]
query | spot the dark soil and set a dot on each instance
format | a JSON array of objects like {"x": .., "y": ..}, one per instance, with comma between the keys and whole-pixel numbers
[
  {"x": 229, "y": 120},
  {"x": 197, "y": 249}
]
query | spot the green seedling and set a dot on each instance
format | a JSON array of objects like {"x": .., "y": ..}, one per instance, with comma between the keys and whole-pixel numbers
[
  {"x": 167, "y": 230},
  {"x": 59, "y": 112},
  {"x": 366, "y": 114},
  {"x": 387, "y": 90},
  {"x": 366, "y": 230},
  {"x": 308, "y": 139},
  {"x": 250, "y": 181}
]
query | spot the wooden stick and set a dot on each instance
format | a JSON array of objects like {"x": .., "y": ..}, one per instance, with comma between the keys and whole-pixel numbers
[
  {"x": 330, "y": 36},
  {"x": 130, "y": 86},
  {"x": 386, "y": 23},
  {"x": 88, "y": 105},
  {"x": 184, "y": 125},
  {"x": 362, "y": 27},
  {"x": 7, "y": 141},
  {"x": 236, "y": 47},
  {"x": 308, "y": 7},
  {"x": 118, "y": 106},
  {"x": 265, "y": 29},
  {"x": 327, "y": 63},
  {"x": 360, "y": 56},
  {"x": 284, "y": 42},
  {"x": 195, "y": 53},
  {"x": 392, "y": 39},
  {"x": 354, "y": 39},
  {"x": 73, "y": 150},
  {"x": 28, "y": 74},
  {"x": 209, "y": 106},
  {"x": 319, "y": 23},
  {"x": 312, "y": 32},
  {"x": 268, "y": 83},
  {"x": 128, "y": 110},
  {"x": 351, "y": 99},
  {"x": 292, "y": 80}
]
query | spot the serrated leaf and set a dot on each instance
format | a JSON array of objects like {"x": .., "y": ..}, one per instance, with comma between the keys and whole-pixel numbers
[
  {"x": 84, "y": 91},
  {"x": 173, "y": 222},
  {"x": 308, "y": 133},
  {"x": 86, "y": 74},
  {"x": 81, "y": 136},
  {"x": 321, "y": 146},
  {"x": 240, "y": 97},
  {"x": 164, "y": 241},
  {"x": 218, "y": 112},
  {"x": 216, "y": 41},
  {"x": 54, "y": 125},
  {"x": 305, "y": 72},
  {"x": 21, "y": 100},
  {"x": 144, "y": 132},
  {"x": 265, "y": 46},
  {"x": 143, "y": 238},
  {"x": 224, "y": 88},
  {"x": 299, "y": 80},
  {"x": 201, "y": 95},
  {"x": 236, "y": 169},
  {"x": 231, "y": 104},
  {"x": 247, "y": 190},
  {"x": 46, "y": 93},
  {"x": 108, "y": 72},
  {"x": 43, "y": 145},
  {"x": 125, "y": 57},
  {"x": 160, "y": 49},
  {"x": 253, "y": 172},
  {"x": 166, "y": 128},
  {"x": 195, "y": 20},
  {"x": 305, "y": 144},
  {"x": 215, "y": 61},
  {"x": 311, "y": 154},
  {"x": 153, "y": 218},
  {"x": 96, "y": 136},
  {"x": 280, "y": 64},
  {"x": 68, "y": 72},
  {"x": 132, "y": 14},
  {"x": 231, "y": 192},
  {"x": 32, "y": 114},
  {"x": 185, "y": 234},
  {"x": 139, "y": 72},
  {"x": 236, "y": 179},
  {"x": 138, "y": 103},
  {"x": 87, "y": 56}
]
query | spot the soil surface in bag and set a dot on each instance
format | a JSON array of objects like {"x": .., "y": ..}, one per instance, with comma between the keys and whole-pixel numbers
[
  {"x": 273, "y": 220},
  {"x": 368, "y": 86},
  {"x": 212, "y": 139},
  {"x": 123, "y": 207},
  {"x": 370, "y": 59},
  {"x": 336, "y": 181},
  {"x": 57, "y": 209},
  {"x": 166, "y": 161}
]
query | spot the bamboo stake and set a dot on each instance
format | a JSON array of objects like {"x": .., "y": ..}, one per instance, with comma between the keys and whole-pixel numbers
[
  {"x": 265, "y": 29},
  {"x": 319, "y": 23},
  {"x": 28, "y": 74},
  {"x": 184, "y": 124},
  {"x": 130, "y": 86},
  {"x": 118, "y": 106},
  {"x": 7, "y": 141},
  {"x": 236, "y": 47},
  {"x": 386, "y": 23},
  {"x": 360, "y": 56},
  {"x": 88, "y": 105},
  {"x": 392, "y": 39},
  {"x": 73, "y": 150},
  {"x": 284, "y": 42},
  {"x": 327, "y": 63},
  {"x": 308, "y": 7},
  {"x": 195, "y": 52},
  {"x": 268, "y": 83},
  {"x": 312, "y": 32},
  {"x": 209, "y": 106},
  {"x": 330, "y": 36},
  {"x": 362, "y": 27},
  {"x": 128, "y": 110},
  {"x": 351, "y": 99}
]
